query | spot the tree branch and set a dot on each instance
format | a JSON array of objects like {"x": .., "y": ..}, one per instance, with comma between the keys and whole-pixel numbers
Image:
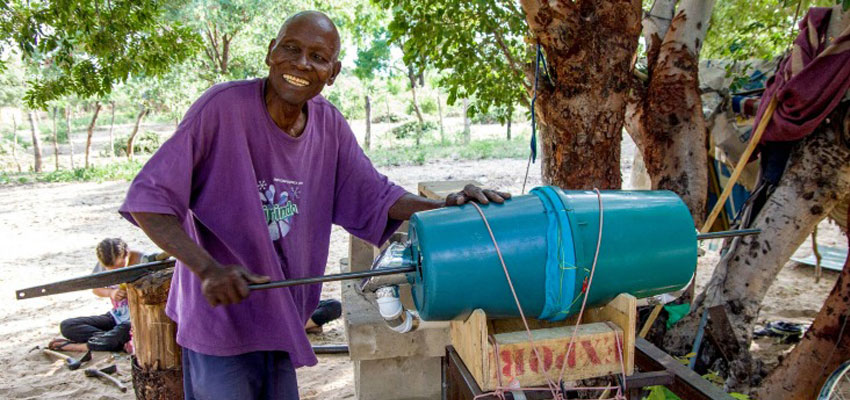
[
  {"x": 507, "y": 52},
  {"x": 225, "y": 53},
  {"x": 213, "y": 54}
]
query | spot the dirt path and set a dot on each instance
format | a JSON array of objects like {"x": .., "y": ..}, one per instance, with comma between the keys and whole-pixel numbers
[{"x": 48, "y": 232}]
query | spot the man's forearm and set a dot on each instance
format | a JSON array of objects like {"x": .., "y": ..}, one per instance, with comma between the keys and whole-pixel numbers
[
  {"x": 167, "y": 233},
  {"x": 408, "y": 204}
]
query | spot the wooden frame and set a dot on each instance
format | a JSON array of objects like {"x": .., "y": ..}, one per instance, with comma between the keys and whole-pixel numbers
[{"x": 501, "y": 347}]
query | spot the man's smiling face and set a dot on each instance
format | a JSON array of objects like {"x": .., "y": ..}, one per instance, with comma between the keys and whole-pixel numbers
[{"x": 303, "y": 58}]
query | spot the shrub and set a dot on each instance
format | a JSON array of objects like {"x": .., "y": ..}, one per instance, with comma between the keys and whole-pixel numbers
[
  {"x": 426, "y": 106},
  {"x": 387, "y": 118},
  {"x": 146, "y": 143},
  {"x": 409, "y": 129}
]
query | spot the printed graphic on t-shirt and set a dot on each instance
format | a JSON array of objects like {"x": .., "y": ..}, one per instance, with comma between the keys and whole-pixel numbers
[
  {"x": 121, "y": 311},
  {"x": 279, "y": 199}
]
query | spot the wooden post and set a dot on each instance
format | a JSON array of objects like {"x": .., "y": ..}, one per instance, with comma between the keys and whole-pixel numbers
[{"x": 157, "y": 367}]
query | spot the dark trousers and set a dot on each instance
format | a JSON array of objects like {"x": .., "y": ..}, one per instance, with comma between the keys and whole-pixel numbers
[
  {"x": 266, "y": 375},
  {"x": 99, "y": 332}
]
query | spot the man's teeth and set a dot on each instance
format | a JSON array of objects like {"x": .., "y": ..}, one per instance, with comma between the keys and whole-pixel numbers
[{"x": 295, "y": 81}]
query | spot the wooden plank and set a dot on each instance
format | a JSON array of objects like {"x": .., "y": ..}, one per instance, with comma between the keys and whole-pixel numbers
[
  {"x": 622, "y": 312},
  {"x": 686, "y": 383},
  {"x": 515, "y": 324},
  {"x": 594, "y": 354},
  {"x": 438, "y": 190},
  {"x": 469, "y": 338},
  {"x": 360, "y": 254}
]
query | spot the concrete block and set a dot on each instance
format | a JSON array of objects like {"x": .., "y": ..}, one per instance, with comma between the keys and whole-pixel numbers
[{"x": 407, "y": 378}]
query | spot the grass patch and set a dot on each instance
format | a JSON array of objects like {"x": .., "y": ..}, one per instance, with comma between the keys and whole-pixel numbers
[
  {"x": 477, "y": 150},
  {"x": 117, "y": 171}
]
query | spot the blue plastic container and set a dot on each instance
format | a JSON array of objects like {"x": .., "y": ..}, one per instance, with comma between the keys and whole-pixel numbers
[{"x": 548, "y": 239}]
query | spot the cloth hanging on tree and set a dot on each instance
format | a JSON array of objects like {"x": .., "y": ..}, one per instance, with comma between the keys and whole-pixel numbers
[{"x": 810, "y": 82}]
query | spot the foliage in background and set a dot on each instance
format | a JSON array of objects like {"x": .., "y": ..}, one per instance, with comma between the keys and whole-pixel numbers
[
  {"x": 85, "y": 47},
  {"x": 745, "y": 29},
  {"x": 12, "y": 81},
  {"x": 479, "y": 44}
]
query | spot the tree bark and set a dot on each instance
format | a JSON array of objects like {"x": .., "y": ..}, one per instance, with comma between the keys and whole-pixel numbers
[
  {"x": 111, "y": 129},
  {"x": 36, "y": 142},
  {"x": 15, "y": 142},
  {"x": 824, "y": 347},
  {"x": 509, "y": 129},
  {"x": 467, "y": 133},
  {"x": 55, "y": 141},
  {"x": 816, "y": 179},
  {"x": 142, "y": 111},
  {"x": 90, "y": 130},
  {"x": 68, "y": 129},
  {"x": 667, "y": 122},
  {"x": 440, "y": 114},
  {"x": 590, "y": 46},
  {"x": 367, "y": 140}
]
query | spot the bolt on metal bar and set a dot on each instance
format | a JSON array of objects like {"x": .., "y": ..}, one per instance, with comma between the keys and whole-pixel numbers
[
  {"x": 331, "y": 278},
  {"x": 723, "y": 234}
]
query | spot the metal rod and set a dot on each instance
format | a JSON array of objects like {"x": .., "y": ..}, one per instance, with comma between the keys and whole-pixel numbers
[
  {"x": 723, "y": 234},
  {"x": 330, "y": 349},
  {"x": 331, "y": 278}
]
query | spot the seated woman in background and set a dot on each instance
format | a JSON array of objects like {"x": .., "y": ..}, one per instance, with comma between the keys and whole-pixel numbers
[{"x": 110, "y": 331}]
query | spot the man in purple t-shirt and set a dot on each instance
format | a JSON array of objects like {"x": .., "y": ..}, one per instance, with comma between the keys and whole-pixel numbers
[{"x": 245, "y": 192}]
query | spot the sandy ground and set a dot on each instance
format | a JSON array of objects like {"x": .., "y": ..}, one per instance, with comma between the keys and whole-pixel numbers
[{"x": 48, "y": 232}]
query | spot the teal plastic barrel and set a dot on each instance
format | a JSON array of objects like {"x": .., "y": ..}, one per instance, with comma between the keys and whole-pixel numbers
[{"x": 548, "y": 239}]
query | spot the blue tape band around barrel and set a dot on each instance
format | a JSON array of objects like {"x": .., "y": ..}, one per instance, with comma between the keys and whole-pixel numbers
[{"x": 560, "y": 266}]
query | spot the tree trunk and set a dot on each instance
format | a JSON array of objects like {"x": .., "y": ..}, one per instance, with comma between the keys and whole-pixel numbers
[
  {"x": 157, "y": 366},
  {"x": 55, "y": 141},
  {"x": 421, "y": 129},
  {"x": 68, "y": 129},
  {"x": 440, "y": 114},
  {"x": 90, "y": 130},
  {"x": 590, "y": 46},
  {"x": 36, "y": 142},
  {"x": 15, "y": 142},
  {"x": 467, "y": 133},
  {"x": 142, "y": 111},
  {"x": 367, "y": 140},
  {"x": 509, "y": 129},
  {"x": 816, "y": 179},
  {"x": 667, "y": 122},
  {"x": 111, "y": 129},
  {"x": 824, "y": 347}
]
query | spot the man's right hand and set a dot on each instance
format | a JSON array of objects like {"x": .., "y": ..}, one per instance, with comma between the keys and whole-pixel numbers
[{"x": 227, "y": 284}]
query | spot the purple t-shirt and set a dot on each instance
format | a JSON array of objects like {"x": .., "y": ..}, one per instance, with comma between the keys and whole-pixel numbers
[{"x": 252, "y": 195}]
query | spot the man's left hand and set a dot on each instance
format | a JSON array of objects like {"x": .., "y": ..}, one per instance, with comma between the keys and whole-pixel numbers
[{"x": 474, "y": 193}]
